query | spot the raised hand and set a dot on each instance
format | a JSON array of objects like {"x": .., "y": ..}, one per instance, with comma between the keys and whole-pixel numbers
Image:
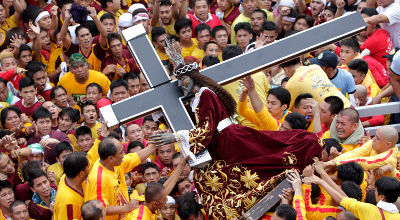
[
  {"x": 48, "y": 141},
  {"x": 92, "y": 12},
  {"x": 365, "y": 138},
  {"x": 54, "y": 10},
  {"x": 161, "y": 139},
  {"x": 20, "y": 71},
  {"x": 34, "y": 28},
  {"x": 248, "y": 82}
]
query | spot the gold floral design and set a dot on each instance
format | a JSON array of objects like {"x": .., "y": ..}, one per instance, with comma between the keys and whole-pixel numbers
[
  {"x": 197, "y": 135},
  {"x": 249, "y": 202},
  {"x": 213, "y": 182},
  {"x": 289, "y": 159},
  {"x": 249, "y": 179}
]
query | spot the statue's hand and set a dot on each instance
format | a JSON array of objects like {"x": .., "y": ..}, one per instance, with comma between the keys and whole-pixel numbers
[{"x": 161, "y": 139}]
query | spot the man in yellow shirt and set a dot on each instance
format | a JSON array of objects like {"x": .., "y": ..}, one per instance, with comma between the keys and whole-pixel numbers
[
  {"x": 183, "y": 28},
  {"x": 346, "y": 128},
  {"x": 106, "y": 180},
  {"x": 203, "y": 35},
  {"x": 62, "y": 150},
  {"x": 158, "y": 37},
  {"x": 90, "y": 115},
  {"x": 156, "y": 198},
  {"x": 359, "y": 70},
  {"x": 378, "y": 152},
  {"x": 80, "y": 76},
  {"x": 70, "y": 197},
  {"x": 113, "y": 7},
  {"x": 166, "y": 13}
]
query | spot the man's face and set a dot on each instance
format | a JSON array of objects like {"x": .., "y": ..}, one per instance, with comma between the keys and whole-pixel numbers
[
  {"x": 20, "y": 212},
  {"x": 45, "y": 22},
  {"x": 6, "y": 198},
  {"x": 65, "y": 123},
  {"x": 60, "y": 98},
  {"x": 186, "y": 169},
  {"x": 52, "y": 109},
  {"x": 93, "y": 94},
  {"x": 257, "y": 20},
  {"x": 61, "y": 158},
  {"x": 40, "y": 79},
  {"x": 116, "y": 48},
  {"x": 41, "y": 186},
  {"x": 144, "y": 85},
  {"x": 344, "y": 126},
  {"x": 212, "y": 50},
  {"x": 201, "y": 9},
  {"x": 168, "y": 211},
  {"x": 379, "y": 144},
  {"x": 25, "y": 57},
  {"x": 357, "y": 76},
  {"x": 347, "y": 54},
  {"x": 184, "y": 187},
  {"x": 151, "y": 175},
  {"x": 361, "y": 6},
  {"x": 6, "y": 165},
  {"x": 84, "y": 38},
  {"x": 316, "y": 7},
  {"x": 29, "y": 94},
  {"x": 2, "y": 14},
  {"x": 89, "y": 114},
  {"x": 116, "y": 5},
  {"x": 45, "y": 40},
  {"x": 165, "y": 153},
  {"x": 305, "y": 109},
  {"x": 81, "y": 71},
  {"x": 287, "y": 25},
  {"x": 148, "y": 128},
  {"x": 224, "y": 5},
  {"x": 119, "y": 93},
  {"x": 243, "y": 38},
  {"x": 325, "y": 114},
  {"x": 384, "y": 3},
  {"x": 12, "y": 120},
  {"x": 44, "y": 126},
  {"x": 249, "y": 5},
  {"x": 185, "y": 34},
  {"x": 165, "y": 14},
  {"x": 119, "y": 155},
  {"x": 3, "y": 92},
  {"x": 270, "y": 36},
  {"x": 134, "y": 86},
  {"x": 134, "y": 133},
  {"x": 221, "y": 37},
  {"x": 36, "y": 157},
  {"x": 8, "y": 63},
  {"x": 85, "y": 142},
  {"x": 301, "y": 25},
  {"x": 161, "y": 42},
  {"x": 275, "y": 106},
  {"x": 203, "y": 37},
  {"x": 109, "y": 25}
]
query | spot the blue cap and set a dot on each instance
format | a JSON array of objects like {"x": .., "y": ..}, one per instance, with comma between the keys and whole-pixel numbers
[
  {"x": 327, "y": 58},
  {"x": 395, "y": 67}
]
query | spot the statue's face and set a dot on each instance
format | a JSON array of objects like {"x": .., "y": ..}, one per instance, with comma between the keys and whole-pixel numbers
[{"x": 186, "y": 84}]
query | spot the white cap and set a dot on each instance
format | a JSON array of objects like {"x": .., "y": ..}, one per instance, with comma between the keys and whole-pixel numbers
[
  {"x": 170, "y": 201},
  {"x": 395, "y": 67},
  {"x": 135, "y": 7},
  {"x": 125, "y": 20},
  {"x": 288, "y": 3},
  {"x": 139, "y": 17}
]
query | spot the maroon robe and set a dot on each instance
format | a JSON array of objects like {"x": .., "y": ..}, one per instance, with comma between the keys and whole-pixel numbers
[{"x": 245, "y": 162}]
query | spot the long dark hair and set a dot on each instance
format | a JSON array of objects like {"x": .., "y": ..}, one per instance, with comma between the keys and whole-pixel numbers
[{"x": 204, "y": 81}]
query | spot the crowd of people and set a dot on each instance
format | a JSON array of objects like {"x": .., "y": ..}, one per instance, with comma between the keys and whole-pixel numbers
[{"x": 62, "y": 60}]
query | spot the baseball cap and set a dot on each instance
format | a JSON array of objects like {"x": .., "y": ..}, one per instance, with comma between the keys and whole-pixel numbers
[
  {"x": 395, "y": 67},
  {"x": 125, "y": 20},
  {"x": 36, "y": 148},
  {"x": 135, "y": 7},
  {"x": 327, "y": 58},
  {"x": 391, "y": 53}
]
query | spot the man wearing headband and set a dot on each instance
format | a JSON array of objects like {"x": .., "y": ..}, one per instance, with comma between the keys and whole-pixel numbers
[
  {"x": 80, "y": 76},
  {"x": 169, "y": 209},
  {"x": 165, "y": 12},
  {"x": 142, "y": 18},
  {"x": 94, "y": 52}
]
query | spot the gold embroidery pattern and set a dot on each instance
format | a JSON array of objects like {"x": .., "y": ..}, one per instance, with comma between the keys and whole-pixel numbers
[
  {"x": 199, "y": 134},
  {"x": 228, "y": 191},
  {"x": 289, "y": 159}
]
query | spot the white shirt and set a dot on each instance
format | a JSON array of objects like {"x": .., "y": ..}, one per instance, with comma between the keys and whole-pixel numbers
[{"x": 392, "y": 12}]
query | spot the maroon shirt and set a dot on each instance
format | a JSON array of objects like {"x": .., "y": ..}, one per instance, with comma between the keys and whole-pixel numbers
[
  {"x": 28, "y": 110},
  {"x": 110, "y": 60},
  {"x": 49, "y": 154},
  {"x": 45, "y": 94}
]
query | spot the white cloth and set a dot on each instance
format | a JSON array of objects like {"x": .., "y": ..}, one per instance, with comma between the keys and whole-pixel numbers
[
  {"x": 125, "y": 20},
  {"x": 389, "y": 207},
  {"x": 392, "y": 12}
]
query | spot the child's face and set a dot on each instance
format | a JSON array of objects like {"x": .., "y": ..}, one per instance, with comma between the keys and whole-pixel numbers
[
  {"x": 29, "y": 94},
  {"x": 347, "y": 54},
  {"x": 329, "y": 15}
]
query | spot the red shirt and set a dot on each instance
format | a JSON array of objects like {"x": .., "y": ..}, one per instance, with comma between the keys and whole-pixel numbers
[
  {"x": 28, "y": 110},
  {"x": 379, "y": 43},
  {"x": 45, "y": 94},
  {"x": 110, "y": 60},
  {"x": 378, "y": 71},
  {"x": 212, "y": 23}
]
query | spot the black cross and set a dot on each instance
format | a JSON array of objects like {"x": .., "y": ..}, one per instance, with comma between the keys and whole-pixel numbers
[{"x": 166, "y": 96}]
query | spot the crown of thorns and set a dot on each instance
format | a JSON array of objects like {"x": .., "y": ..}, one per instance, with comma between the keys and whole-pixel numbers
[{"x": 186, "y": 68}]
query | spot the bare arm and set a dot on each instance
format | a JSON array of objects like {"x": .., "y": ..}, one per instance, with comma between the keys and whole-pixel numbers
[
  {"x": 37, "y": 46},
  {"x": 145, "y": 153},
  {"x": 255, "y": 100},
  {"x": 336, "y": 196},
  {"x": 156, "y": 13},
  {"x": 340, "y": 8},
  {"x": 175, "y": 9},
  {"x": 171, "y": 181},
  {"x": 19, "y": 7},
  {"x": 376, "y": 19},
  {"x": 183, "y": 9},
  {"x": 100, "y": 27},
  {"x": 64, "y": 28}
]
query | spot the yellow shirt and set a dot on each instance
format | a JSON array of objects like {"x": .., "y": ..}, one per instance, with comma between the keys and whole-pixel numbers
[
  {"x": 187, "y": 51},
  {"x": 116, "y": 16},
  {"x": 143, "y": 213},
  {"x": 94, "y": 129},
  {"x": 261, "y": 86},
  {"x": 198, "y": 53},
  {"x": 368, "y": 158},
  {"x": 109, "y": 187},
  {"x": 58, "y": 171},
  {"x": 73, "y": 87},
  {"x": 140, "y": 188},
  {"x": 312, "y": 79},
  {"x": 11, "y": 22},
  {"x": 169, "y": 29},
  {"x": 372, "y": 88},
  {"x": 68, "y": 203},
  {"x": 162, "y": 55},
  {"x": 317, "y": 211},
  {"x": 347, "y": 147},
  {"x": 363, "y": 210},
  {"x": 54, "y": 56}
]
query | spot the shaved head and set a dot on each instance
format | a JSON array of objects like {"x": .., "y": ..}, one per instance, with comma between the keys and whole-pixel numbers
[
  {"x": 389, "y": 134},
  {"x": 361, "y": 91},
  {"x": 351, "y": 113}
]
